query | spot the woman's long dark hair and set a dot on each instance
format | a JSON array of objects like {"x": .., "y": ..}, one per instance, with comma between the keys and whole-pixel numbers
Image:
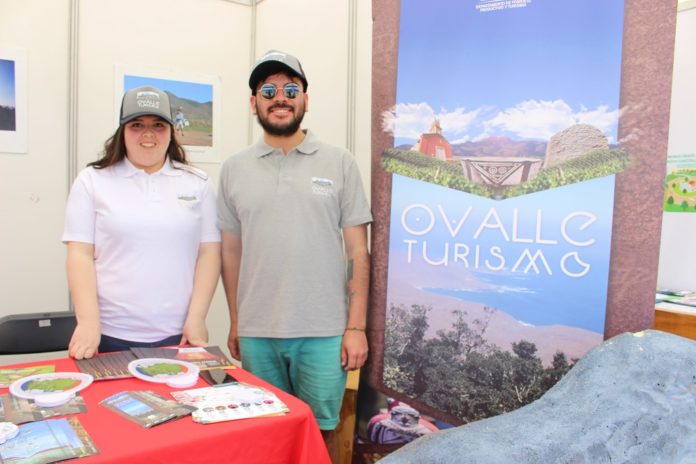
[{"x": 115, "y": 149}]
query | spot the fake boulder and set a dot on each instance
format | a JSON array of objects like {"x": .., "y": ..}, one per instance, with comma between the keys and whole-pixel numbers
[{"x": 631, "y": 399}]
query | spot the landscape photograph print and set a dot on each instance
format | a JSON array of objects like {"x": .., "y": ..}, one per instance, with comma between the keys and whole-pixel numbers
[
  {"x": 8, "y": 119},
  {"x": 13, "y": 100}
]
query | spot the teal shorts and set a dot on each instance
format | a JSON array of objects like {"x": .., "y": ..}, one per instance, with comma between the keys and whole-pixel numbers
[{"x": 308, "y": 368}]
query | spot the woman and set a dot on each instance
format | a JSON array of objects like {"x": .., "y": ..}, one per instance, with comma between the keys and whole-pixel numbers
[{"x": 143, "y": 246}]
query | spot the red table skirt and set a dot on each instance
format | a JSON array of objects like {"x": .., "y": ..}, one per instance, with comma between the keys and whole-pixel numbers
[{"x": 293, "y": 438}]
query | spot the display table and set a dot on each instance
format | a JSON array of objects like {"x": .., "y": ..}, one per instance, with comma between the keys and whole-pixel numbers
[
  {"x": 293, "y": 438},
  {"x": 676, "y": 318}
]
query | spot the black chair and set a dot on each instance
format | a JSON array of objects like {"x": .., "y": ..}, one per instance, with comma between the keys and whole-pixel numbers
[{"x": 36, "y": 332}]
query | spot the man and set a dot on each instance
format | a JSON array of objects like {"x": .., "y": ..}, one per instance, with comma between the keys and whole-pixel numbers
[{"x": 287, "y": 206}]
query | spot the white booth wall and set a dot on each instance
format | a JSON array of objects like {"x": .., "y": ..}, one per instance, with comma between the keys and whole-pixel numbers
[
  {"x": 677, "y": 268},
  {"x": 77, "y": 50},
  {"x": 34, "y": 185}
]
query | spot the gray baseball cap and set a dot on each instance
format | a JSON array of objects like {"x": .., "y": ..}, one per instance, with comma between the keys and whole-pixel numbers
[
  {"x": 142, "y": 101},
  {"x": 272, "y": 62}
]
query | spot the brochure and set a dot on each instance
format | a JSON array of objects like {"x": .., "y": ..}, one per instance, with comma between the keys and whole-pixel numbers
[
  {"x": 7, "y": 376},
  {"x": 682, "y": 297},
  {"x": 230, "y": 401},
  {"x": 114, "y": 365},
  {"x": 145, "y": 408},
  {"x": 19, "y": 410},
  {"x": 108, "y": 365},
  {"x": 48, "y": 441},
  {"x": 209, "y": 357}
]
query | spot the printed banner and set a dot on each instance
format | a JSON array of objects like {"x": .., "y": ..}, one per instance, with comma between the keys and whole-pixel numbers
[
  {"x": 505, "y": 134},
  {"x": 505, "y": 150}
]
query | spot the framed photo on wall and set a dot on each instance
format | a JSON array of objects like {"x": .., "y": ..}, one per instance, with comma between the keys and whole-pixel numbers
[
  {"x": 195, "y": 106},
  {"x": 13, "y": 100}
]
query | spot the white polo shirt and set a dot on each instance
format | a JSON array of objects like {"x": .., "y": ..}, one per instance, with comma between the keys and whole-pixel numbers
[{"x": 146, "y": 230}]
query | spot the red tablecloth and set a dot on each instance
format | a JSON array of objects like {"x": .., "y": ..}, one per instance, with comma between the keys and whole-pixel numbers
[{"x": 293, "y": 438}]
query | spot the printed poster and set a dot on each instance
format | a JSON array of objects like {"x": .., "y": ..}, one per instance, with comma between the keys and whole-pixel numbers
[
  {"x": 13, "y": 100},
  {"x": 680, "y": 183}
]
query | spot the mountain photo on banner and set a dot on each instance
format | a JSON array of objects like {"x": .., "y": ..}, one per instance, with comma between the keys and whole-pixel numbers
[{"x": 503, "y": 168}]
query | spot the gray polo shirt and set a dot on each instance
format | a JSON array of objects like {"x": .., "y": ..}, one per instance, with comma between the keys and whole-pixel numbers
[{"x": 290, "y": 211}]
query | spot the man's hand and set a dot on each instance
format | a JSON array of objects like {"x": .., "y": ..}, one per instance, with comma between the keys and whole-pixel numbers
[
  {"x": 233, "y": 344},
  {"x": 353, "y": 349}
]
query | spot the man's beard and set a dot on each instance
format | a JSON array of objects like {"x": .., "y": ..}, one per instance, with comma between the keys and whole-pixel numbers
[{"x": 284, "y": 130}]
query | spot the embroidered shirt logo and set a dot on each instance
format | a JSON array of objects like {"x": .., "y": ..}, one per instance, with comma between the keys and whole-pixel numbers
[
  {"x": 322, "y": 186},
  {"x": 187, "y": 200}
]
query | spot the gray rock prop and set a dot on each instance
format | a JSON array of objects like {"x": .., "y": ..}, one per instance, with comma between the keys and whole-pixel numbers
[{"x": 631, "y": 399}]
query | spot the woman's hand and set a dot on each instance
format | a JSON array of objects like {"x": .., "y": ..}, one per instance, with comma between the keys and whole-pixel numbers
[
  {"x": 195, "y": 333},
  {"x": 85, "y": 340}
]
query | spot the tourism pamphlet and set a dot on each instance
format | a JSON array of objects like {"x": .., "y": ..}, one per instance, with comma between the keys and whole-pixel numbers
[
  {"x": 115, "y": 365},
  {"x": 19, "y": 410},
  {"x": 107, "y": 366},
  {"x": 7, "y": 376},
  {"x": 48, "y": 441},
  {"x": 230, "y": 401},
  {"x": 145, "y": 408},
  {"x": 682, "y": 297},
  {"x": 209, "y": 357}
]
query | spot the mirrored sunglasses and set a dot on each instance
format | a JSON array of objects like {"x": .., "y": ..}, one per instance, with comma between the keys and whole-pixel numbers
[{"x": 290, "y": 90}]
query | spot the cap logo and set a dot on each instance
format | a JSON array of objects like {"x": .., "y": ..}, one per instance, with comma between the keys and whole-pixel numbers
[
  {"x": 147, "y": 93},
  {"x": 147, "y": 99},
  {"x": 272, "y": 54}
]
